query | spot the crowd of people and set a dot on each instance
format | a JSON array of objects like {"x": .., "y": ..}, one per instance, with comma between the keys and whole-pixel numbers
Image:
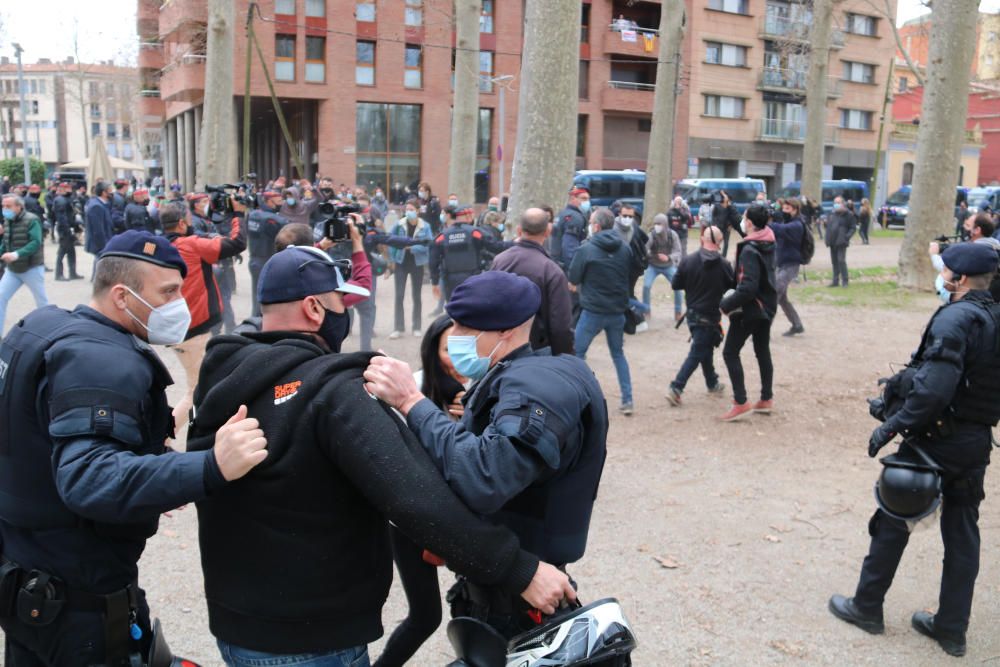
[{"x": 487, "y": 458}]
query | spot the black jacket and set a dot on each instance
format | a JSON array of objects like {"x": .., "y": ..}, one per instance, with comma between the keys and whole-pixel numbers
[
  {"x": 295, "y": 555},
  {"x": 600, "y": 269},
  {"x": 840, "y": 227},
  {"x": 725, "y": 217},
  {"x": 704, "y": 276},
  {"x": 756, "y": 291}
]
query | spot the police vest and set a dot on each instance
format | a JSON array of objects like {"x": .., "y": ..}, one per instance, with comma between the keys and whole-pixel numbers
[
  {"x": 460, "y": 245},
  {"x": 262, "y": 228},
  {"x": 28, "y": 495},
  {"x": 17, "y": 237},
  {"x": 137, "y": 217},
  {"x": 977, "y": 398}
]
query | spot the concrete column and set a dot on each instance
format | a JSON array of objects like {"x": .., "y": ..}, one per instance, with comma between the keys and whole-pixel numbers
[
  {"x": 189, "y": 151},
  {"x": 308, "y": 115},
  {"x": 787, "y": 173},
  {"x": 741, "y": 169},
  {"x": 182, "y": 154},
  {"x": 196, "y": 115},
  {"x": 283, "y": 159},
  {"x": 170, "y": 173},
  {"x": 827, "y": 172}
]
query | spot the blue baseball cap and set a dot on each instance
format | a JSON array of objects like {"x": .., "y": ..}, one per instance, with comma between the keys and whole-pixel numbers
[
  {"x": 146, "y": 247},
  {"x": 494, "y": 301},
  {"x": 300, "y": 271},
  {"x": 970, "y": 259}
]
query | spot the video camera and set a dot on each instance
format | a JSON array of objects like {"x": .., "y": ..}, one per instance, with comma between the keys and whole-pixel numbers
[
  {"x": 221, "y": 196},
  {"x": 944, "y": 241},
  {"x": 337, "y": 218}
]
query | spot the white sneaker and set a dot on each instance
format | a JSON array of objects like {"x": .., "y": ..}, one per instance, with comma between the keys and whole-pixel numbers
[
  {"x": 642, "y": 326},
  {"x": 417, "y": 333},
  {"x": 395, "y": 334}
]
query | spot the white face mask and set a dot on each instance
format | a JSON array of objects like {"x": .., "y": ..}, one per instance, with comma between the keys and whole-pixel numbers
[
  {"x": 626, "y": 220},
  {"x": 743, "y": 225},
  {"x": 168, "y": 324},
  {"x": 657, "y": 228}
]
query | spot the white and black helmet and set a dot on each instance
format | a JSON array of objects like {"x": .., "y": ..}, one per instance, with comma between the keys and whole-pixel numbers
[{"x": 595, "y": 635}]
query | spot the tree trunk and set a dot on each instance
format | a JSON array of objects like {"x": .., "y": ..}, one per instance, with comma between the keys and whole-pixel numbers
[
  {"x": 465, "y": 109},
  {"x": 659, "y": 160},
  {"x": 940, "y": 137},
  {"x": 217, "y": 158},
  {"x": 816, "y": 83},
  {"x": 547, "y": 107}
]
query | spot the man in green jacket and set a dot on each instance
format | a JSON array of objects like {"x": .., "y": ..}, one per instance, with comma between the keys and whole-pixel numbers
[{"x": 21, "y": 253}]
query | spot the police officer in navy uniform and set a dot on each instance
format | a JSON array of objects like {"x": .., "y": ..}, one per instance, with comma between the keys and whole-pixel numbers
[
  {"x": 84, "y": 470},
  {"x": 263, "y": 225},
  {"x": 570, "y": 229},
  {"x": 530, "y": 448},
  {"x": 953, "y": 402},
  {"x": 65, "y": 228},
  {"x": 458, "y": 251}
]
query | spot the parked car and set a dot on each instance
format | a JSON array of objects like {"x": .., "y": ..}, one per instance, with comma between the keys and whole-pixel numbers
[
  {"x": 608, "y": 186},
  {"x": 980, "y": 198},
  {"x": 893, "y": 213},
  {"x": 846, "y": 188},
  {"x": 742, "y": 191}
]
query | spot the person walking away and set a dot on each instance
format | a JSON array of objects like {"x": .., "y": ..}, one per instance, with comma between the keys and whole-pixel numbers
[
  {"x": 457, "y": 252},
  {"x": 948, "y": 409},
  {"x": 553, "y": 325},
  {"x": 600, "y": 273},
  {"x": 65, "y": 229},
  {"x": 788, "y": 237},
  {"x": 704, "y": 276},
  {"x": 410, "y": 263},
  {"x": 263, "y": 225},
  {"x": 570, "y": 228},
  {"x": 22, "y": 253},
  {"x": 664, "y": 251},
  {"x": 98, "y": 217},
  {"x": 840, "y": 227},
  {"x": 864, "y": 221},
  {"x": 751, "y": 308}
]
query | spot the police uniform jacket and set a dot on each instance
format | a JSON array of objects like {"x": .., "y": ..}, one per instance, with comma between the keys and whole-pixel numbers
[
  {"x": 319, "y": 564},
  {"x": 137, "y": 217},
  {"x": 456, "y": 251},
  {"x": 529, "y": 450},
  {"x": 99, "y": 229},
  {"x": 32, "y": 205},
  {"x": 263, "y": 225},
  {"x": 118, "y": 213},
  {"x": 570, "y": 232},
  {"x": 84, "y": 473},
  {"x": 65, "y": 215}
]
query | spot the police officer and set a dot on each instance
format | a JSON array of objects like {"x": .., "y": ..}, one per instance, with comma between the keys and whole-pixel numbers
[
  {"x": 263, "y": 225},
  {"x": 32, "y": 205},
  {"x": 530, "y": 448},
  {"x": 118, "y": 203},
  {"x": 952, "y": 402},
  {"x": 65, "y": 228},
  {"x": 571, "y": 227},
  {"x": 84, "y": 471},
  {"x": 458, "y": 251},
  {"x": 137, "y": 215}
]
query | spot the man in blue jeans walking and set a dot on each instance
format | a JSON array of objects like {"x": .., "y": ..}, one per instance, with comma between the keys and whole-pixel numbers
[
  {"x": 664, "y": 251},
  {"x": 705, "y": 275},
  {"x": 22, "y": 254},
  {"x": 600, "y": 272}
]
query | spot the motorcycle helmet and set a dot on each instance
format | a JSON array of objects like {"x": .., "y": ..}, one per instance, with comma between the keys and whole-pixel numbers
[
  {"x": 594, "y": 635},
  {"x": 909, "y": 487}
]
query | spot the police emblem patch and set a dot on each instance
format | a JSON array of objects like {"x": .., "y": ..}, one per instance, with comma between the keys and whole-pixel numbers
[{"x": 149, "y": 248}]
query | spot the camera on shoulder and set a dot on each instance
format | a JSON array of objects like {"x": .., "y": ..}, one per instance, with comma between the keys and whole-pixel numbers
[{"x": 337, "y": 219}]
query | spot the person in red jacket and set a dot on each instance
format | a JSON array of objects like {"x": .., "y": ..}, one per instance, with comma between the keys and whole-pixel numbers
[{"x": 200, "y": 289}]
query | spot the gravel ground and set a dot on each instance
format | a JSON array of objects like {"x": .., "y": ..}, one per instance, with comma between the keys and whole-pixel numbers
[{"x": 723, "y": 541}]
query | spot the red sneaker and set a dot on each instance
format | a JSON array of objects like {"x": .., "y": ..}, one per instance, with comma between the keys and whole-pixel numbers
[
  {"x": 737, "y": 412},
  {"x": 763, "y": 407}
]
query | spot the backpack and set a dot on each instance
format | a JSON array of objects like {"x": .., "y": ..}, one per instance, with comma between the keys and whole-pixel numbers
[{"x": 807, "y": 247}]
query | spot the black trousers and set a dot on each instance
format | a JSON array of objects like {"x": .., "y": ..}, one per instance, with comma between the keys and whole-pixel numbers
[
  {"x": 67, "y": 249},
  {"x": 736, "y": 338},
  {"x": 838, "y": 257},
  {"x": 423, "y": 595},
  {"x": 415, "y": 274}
]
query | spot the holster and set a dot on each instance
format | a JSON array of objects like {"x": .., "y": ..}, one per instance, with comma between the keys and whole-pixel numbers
[{"x": 38, "y": 602}]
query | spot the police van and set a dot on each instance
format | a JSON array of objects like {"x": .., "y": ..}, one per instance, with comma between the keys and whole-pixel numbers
[
  {"x": 742, "y": 191},
  {"x": 846, "y": 188},
  {"x": 897, "y": 206},
  {"x": 608, "y": 186},
  {"x": 980, "y": 198}
]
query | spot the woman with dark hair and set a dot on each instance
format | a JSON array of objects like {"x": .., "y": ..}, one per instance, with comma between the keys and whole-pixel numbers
[
  {"x": 440, "y": 382},
  {"x": 864, "y": 220}
]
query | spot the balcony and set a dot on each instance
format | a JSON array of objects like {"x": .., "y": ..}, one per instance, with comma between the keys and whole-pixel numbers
[
  {"x": 613, "y": 42},
  {"x": 150, "y": 107},
  {"x": 175, "y": 14},
  {"x": 909, "y": 132},
  {"x": 628, "y": 96},
  {"x": 797, "y": 31},
  {"x": 150, "y": 54},
  {"x": 791, "y": 131},
  {"x": 184, "y": 79},
  {"x": 777, "y": 79}
]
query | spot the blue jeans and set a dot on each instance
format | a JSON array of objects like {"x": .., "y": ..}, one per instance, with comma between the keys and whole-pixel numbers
[
  {"x": 650, "y": 277},
  {"x": 234, "y": 656},
  {"x": 588, "y": 326},
  {"x": 701, "y": 354},
  {"x": 11, "y": 281}
]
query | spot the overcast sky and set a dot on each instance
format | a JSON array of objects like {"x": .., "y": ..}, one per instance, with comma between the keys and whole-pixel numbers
[{"x": 46, "y": 30}]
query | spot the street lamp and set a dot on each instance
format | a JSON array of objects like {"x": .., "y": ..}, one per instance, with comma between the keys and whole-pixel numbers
[
  {"x": 24, "y": 122},
  {"x": 501, "y": 80}
]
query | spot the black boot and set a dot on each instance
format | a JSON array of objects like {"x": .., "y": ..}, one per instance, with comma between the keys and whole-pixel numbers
[
  {"x": 923, "y": 622},
  {"x": 844, "y": 609}
]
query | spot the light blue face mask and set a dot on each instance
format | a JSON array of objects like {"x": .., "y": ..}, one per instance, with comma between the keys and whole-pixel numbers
[
  {"x": 290, "y": 201},
  {"x": 942, "y": 291},
  {"x": 465, "y": 358},
  {"x": 502, "y": 227},
  {"x": 8, "y": 214},
  {"x": 585, "y": 206}
]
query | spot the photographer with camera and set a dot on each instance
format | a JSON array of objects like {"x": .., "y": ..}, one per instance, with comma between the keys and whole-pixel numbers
[{"x": 263, "y": 225}]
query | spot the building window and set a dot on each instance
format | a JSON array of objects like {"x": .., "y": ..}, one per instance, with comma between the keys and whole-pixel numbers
[
  {"x": 484, "y": 132},
  {"x": 961, "y": 173},
  {"x": 95, "y": 110},
  {"x": 485, "y": 71},
  {"x": 731, "y": 55},
  {"x": 859, "y": 72},
  {"x": 127, "y": 151},
  {"x": 95, "y": 90},
  {"x": 644, "y": 125},
  {"x": 859, "y": 24},
  {"x": 316, "y": 8},
  {"x": 364, "y": 71},
  {"x": 413, "y": 74},
  {"x": 315, "y": 59},
  {"x": 41, "y": 86},
  {"x": 722, "y": 106},
  {"x": 112, "y": 131},
  {"x": 95, "y": 129},
  {"x": 284, "y": 57},
  {"x": 388, "y": 145},
  {"x": 33, "y": 86},
  {"x": 585, "y": 25},
  {"x": 284, "y": 7},
  {"x": 731, "y": 6},
  {"x": 904, "y": 84},
  {"x": 584, "y": 79},
  {"x": 126, "y": 131},
  {"x": 110, "y": 111},
  {"x": 365, "y": 12},
  {"x": 907, "y": 173},
  {"x": 34, "y": 107},
  {"x": 414, "y": 13},
  {"x": 581, "y": 136},
  {"x": 486, "y": 17},
  {"x": 855, "y": 119}
]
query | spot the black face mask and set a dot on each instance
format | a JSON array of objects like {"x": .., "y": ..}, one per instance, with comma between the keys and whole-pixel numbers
[
  {"x": 335, "y": 328},
  {"x": 327, "y": 191}
]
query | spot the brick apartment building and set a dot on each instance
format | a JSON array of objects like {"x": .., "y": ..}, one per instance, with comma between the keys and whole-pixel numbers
[
  {"x": 915, "y": 36},
  {"x": 366, "y": 87}
]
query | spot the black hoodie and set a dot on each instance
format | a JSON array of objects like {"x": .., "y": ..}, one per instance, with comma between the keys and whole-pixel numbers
[
  {"x": 704, "y": 276},
  {"x": 295, "y": 555},
  {"x": 756, "y": 291}
]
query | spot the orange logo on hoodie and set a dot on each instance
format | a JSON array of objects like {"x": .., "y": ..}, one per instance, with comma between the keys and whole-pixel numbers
[{"x": 285, "y": 392}]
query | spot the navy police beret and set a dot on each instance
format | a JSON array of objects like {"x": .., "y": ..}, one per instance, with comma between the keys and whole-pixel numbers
[
  {"x": 147, "y": 247},
  {"x": 970, "y": 259},
  {"x": 300, "y": 271},
  {"x": 494, "y": 301}
]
